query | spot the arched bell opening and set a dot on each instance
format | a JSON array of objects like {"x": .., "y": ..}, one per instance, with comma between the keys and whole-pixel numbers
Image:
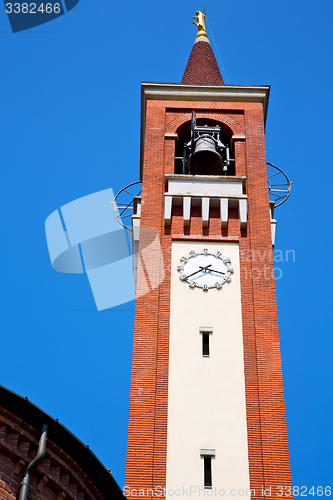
[{"x": 204, "y": 147}]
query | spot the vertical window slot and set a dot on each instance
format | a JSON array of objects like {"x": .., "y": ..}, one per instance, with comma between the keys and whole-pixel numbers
[
  {"x": 205, "y": 332},
  {"x": 208, "y": 456},
  {"x": 205, "y": 344},
  {"x": 208, "y": 472}
]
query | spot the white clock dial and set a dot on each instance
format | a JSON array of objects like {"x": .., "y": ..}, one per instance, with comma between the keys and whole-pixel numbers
[{"x": 205, "y": 269}]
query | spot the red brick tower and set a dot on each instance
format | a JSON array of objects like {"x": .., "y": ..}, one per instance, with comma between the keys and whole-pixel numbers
[{"x": 207, "y": 405}]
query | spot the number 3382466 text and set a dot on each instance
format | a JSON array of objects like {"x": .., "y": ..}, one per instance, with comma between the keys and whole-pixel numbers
[{"x": 32, "y": 8}]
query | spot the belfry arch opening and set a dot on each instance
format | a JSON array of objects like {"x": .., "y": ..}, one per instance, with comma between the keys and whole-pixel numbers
[{"x": 204, "y": 147}]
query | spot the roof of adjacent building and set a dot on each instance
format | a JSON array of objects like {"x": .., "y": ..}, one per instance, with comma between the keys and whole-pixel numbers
[
  {"x": 30, "y": 414},
  {"x": 202, "y": 67}
]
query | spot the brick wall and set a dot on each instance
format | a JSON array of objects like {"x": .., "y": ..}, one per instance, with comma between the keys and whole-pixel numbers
[{"x": 56, "y": 478}]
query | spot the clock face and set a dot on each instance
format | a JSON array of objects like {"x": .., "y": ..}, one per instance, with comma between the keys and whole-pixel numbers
[{"x": 205, "y": 269}]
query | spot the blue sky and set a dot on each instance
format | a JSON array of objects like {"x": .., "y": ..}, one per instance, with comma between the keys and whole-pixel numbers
[{"x": 70, "y": 126}]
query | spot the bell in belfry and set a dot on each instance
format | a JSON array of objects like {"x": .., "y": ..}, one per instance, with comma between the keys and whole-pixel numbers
[
  {"x": 205, "y": 160},
  {"x": 205, "y": 149}
]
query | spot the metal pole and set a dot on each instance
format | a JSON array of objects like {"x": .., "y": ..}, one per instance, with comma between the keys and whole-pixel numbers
[
  {"x": 184, "y": 161},
  {"x": 34, "y": 464}
]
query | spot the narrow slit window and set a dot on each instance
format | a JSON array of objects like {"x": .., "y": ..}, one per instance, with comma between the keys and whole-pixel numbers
[
  {"x": 205, "y": 332},
  {"x": 205, "y": 344},
  {"x": 208, "y": 472}
]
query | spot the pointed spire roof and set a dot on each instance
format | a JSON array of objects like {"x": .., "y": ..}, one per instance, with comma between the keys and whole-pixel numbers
[{"x": 202, "y": 67}]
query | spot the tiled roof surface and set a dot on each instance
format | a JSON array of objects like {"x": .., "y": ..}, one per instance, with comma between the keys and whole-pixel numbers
[{"x": 202, "y": 67}]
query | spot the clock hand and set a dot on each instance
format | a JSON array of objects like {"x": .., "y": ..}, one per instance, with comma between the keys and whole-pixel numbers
[
  {"x": 213, "y": 270},
  {"x": 200, "y": 270}
]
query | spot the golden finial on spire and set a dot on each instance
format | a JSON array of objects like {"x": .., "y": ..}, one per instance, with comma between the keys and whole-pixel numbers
[{"x": 200, "y": 24}]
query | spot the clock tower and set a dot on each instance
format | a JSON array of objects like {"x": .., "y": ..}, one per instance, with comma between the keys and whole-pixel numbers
[{"x": 207, "y": 413}]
